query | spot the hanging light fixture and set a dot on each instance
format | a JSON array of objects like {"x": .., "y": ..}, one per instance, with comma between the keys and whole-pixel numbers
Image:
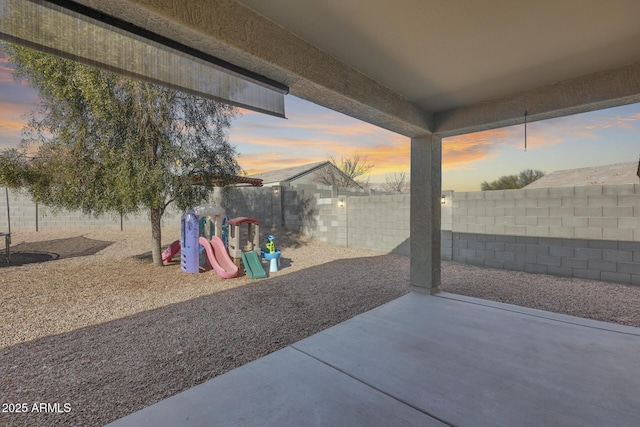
[{"x": 525, "y": 130}]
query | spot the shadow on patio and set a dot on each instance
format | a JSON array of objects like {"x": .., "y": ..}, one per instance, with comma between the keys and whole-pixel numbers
[
  {"x": 112, "y": 369},
  {"x": 429, "y": 360}
]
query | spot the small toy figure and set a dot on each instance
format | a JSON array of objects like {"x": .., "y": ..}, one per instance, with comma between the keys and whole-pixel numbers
[
  {"x": 271, "y": 244},
  {"x": 271, "y": 254}
]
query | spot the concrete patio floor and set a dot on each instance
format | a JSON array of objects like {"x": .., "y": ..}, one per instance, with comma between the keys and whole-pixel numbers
[{"x": 426, "y": 360}]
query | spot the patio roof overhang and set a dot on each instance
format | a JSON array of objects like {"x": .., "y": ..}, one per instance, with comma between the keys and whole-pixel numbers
[{"x": 418, "y": 67}]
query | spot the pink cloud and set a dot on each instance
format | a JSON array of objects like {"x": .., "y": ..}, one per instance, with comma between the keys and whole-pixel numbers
[
  {"x": 608, "y": 122},
  {"x": 11, "y": 125}
]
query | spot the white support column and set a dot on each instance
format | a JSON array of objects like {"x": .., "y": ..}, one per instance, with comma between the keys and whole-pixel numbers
[{"x": 426, "y": 183}]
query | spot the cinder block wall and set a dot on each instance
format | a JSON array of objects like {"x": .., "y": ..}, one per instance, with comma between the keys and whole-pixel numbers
[
  {"x": 589, "y": 212},
  {"x": 379, "y": 223},
  {"x": 23, "y": 212},
  {"x": 329, "y": 221},
  {"x": 261, "y": 203},
  {"x": 607, "y": 260},
  {"x": 300, "y": 210},
  {"x": 26, "y": 216},
  {"x": 590, "y": 232}
]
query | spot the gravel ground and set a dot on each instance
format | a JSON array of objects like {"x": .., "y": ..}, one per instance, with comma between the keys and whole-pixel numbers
[
  {"x": 590, "y": 299},
  {"x": 101, "y": 330}
]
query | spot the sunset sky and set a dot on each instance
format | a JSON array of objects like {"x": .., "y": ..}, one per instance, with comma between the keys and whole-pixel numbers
[{"x": 311, "y": 133}]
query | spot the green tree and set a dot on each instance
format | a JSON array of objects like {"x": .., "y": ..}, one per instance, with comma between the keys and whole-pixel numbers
[
  {"x": 103, "y": 143},
  {"x": 510, "y": 182},
  {"x": 528, "y": 176}
]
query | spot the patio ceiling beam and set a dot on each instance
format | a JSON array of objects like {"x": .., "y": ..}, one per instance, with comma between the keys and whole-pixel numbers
[
  {"x": 595, "y": 91},
  {"x": 236, "y": 34}
]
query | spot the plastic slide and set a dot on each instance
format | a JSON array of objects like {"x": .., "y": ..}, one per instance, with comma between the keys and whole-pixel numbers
[
  {"x": 253, "y": 265},
  {"x": 170, "y": 252},
  {"x": 218, "y": 257}
]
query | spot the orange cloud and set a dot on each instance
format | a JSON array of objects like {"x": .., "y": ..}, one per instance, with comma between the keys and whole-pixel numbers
[
  {"x": 259, "y": 163},
  {"x": 318, "y": 135},
  {"x": 386, "y": 156},
  {"x": 389, "y": 156},
  {"x": 459, "y": 151},
  {"x": 11, "y": 124},
  {"x": 389, "y": 153}
]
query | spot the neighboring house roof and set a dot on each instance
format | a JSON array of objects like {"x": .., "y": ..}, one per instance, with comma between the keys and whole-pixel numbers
[
  {"x": 288, "y": 174},
  {"x": 294, "y": 172},
  {"x": 621, "y": 173},
  {"x": 237, "y": 180}
]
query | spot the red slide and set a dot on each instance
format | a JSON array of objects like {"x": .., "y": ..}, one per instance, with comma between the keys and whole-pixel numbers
[
  {"x": 170, "y": 252},
  {"x": 218, "y": 257}
]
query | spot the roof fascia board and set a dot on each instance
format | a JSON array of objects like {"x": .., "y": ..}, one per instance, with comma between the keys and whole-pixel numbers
[
  {"x": 595, "y": 91},
  {"x": 320, "y": 166},
  {"x": 345, "y": 175},
  {"x": 307, "y": 172}
]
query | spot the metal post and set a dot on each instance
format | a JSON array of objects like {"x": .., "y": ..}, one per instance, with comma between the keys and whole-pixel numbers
[{"x": 6, "y": 190}]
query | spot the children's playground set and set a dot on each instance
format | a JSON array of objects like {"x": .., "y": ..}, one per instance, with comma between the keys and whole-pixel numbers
[{"x": 210, "y": 240}]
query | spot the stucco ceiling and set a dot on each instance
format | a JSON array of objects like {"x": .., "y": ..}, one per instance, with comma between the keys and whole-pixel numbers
[{"x": 443, "y": 55}]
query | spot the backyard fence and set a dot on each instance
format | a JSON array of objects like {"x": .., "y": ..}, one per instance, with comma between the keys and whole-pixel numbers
[
  {"x": 588, "y": 232},
  {"x": 29, "y": 216}
]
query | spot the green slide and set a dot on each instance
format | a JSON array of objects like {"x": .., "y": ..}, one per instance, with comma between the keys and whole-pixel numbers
[{"x": 253, "y": 266}]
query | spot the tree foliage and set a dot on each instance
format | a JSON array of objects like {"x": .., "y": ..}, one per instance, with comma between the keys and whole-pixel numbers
[
  {"x": 347, "y": 171},
  {"x": 101, "y": 142},
  {"x": 509, "y": 182},
  {"x": 397, "y": 182}
]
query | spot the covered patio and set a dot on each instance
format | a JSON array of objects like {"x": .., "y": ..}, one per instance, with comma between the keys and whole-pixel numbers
[
  {"x": 426, "y": 70},
  {"x": 425, "y": 360}
]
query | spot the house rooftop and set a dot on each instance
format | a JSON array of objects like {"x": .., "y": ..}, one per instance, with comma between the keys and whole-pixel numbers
[
  {"x": 620, "y": 173},
  {"x": 288, "y": 174}
]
